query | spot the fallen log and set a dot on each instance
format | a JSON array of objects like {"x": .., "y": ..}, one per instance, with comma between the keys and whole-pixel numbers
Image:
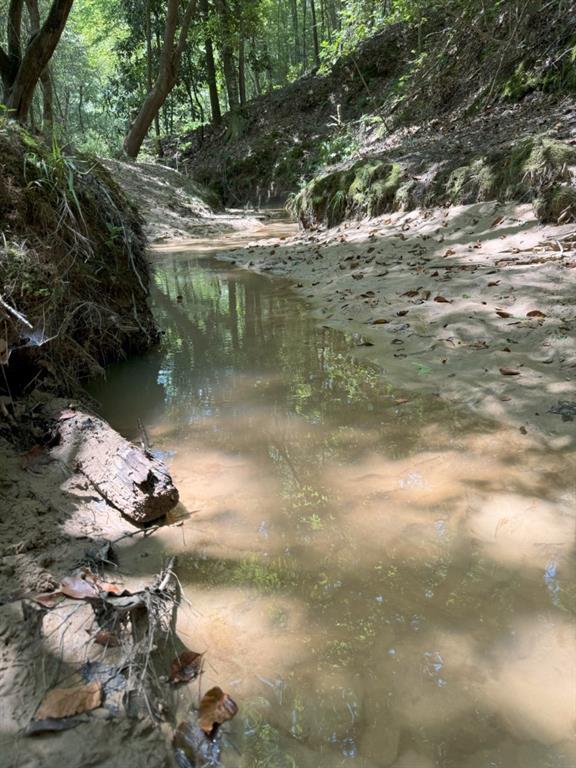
[{"x": 129, "y": 478}]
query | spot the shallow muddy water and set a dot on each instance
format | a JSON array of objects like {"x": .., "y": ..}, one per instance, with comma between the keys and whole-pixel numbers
[{"x": 377, "y": 579}]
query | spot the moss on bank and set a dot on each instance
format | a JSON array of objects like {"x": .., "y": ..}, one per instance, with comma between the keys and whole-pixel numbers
[
  {"x": 541, "y": 170},
  {"x": 72, "y": 266}
]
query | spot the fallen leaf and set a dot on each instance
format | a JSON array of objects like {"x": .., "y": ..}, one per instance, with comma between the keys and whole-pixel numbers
[
  {"x": 49, "y": 725},
  {"x": 48, "y": 599},
  {"x": 402, "y": 312},
  {"x": 380, "y": 321},
  {"x": 401, "y": 401},
  {"x": 410, "y": 293},
  {"x": 502, "y": 313},
  {"x": 523, "y": 431},
  {"x": 67, "y": 413},
  {"x": 185, "y": 667},
  {"x": 535, "y": 313},
  {"x": 442, "y": 300},
  {"x": 497, "y": 221},
  {"x": 449, "y": 252},
  {"x": 216, "y": 708},
  {"x": 509, "y": 372},
  {"x": 111, "y": 589},
  {"x": 493, "y": 283},
  {"x": 65, "y": 702},
  {"x": 107, "y": 638},
  {"x": 77, "y": 587}
]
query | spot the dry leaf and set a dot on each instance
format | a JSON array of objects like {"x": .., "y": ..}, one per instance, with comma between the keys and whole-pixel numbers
[
  {"x": 402, "y": 312},
  {"x": 78, "y": 587},
  {"x": 509, "y": 372},
  {"x": 493, "y": 283},
  {"x": 65, "y": 702},
  {"x": 410, "y": 293},
  {"x": 535, "y": 313},
  {"x": 401, "y": 401},
  {"x": 442, "y": 300},
  {"x": 66, "y": 414},
  {"x": 502, "y": 313},
  {"x": 49, "y": 599},
  {"x": 216, "y": 708},
  {"x": 185, "y": 667},
  {"x": 450, "y": 252},
  {"x": 380, "y": 321},
  {"x": 107, "y": 638}
]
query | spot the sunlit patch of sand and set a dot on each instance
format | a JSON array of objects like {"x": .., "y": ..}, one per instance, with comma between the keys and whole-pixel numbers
[
  {"x": 533, "y": 680},
  {"x": 521, "y": 530},
  {"x": 252, "y": 640}
]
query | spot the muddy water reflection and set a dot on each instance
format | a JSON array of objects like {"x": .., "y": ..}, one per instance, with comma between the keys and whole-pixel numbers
[{"x": 377, "y": 583}]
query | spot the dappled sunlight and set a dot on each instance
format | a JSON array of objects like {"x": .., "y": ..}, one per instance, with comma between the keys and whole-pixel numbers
[{"x": 380, "y": 578}]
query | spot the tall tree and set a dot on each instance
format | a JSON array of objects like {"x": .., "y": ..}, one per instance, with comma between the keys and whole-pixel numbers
[
  {"x": 211, "y": 69},
  {"x": 172, "y": 48},
  {"x": 21, "y": 68}
]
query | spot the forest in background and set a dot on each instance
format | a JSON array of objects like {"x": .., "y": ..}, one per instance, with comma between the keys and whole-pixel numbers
[{"x": 226, "y": 52}]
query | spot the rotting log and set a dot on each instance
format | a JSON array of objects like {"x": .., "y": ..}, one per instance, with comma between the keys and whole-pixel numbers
[{"x": 129, "y": 478}]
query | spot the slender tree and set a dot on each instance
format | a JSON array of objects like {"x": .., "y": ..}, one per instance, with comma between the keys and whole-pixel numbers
[
  {"x": 172, "y": 48},
  {"x": 21, "y": 67}
]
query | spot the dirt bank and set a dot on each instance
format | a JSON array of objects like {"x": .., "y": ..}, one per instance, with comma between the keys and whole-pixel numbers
[{"x": 474, "y": 302}]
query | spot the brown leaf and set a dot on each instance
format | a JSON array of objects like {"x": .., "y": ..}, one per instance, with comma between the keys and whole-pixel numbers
[
  {"x": 497, "y": 221},
  {"x": 216, "y": 708},
  {"x": 449, "y": 252},
  {"x": 535, "y": 313},
  {"x": 49, "y": 599},
  {"x": 442, "y": 300},
  {"x": 107, "y": 638},
  {"x": 67, "y": 413},
  {"x": 380, "y": 321},
  {"x": 502, "y": 313},
  {"x": 65, "y": 702},
  {"x": 494, "y": 283},
  {"x": 509, "y": 372},
  {"x": 402, "y": 312},
  {"x": 36, "y": 455},
  {"x": 112, "y": 589},
  {"x": 185, "y": 667},
  {"x": 78, "y": 588},
  {"x": 410, "y": 293},
  {"x": 401, "y": 400}
]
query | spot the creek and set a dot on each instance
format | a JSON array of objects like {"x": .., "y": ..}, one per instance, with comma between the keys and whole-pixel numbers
[{"x": 379, "y": 579}]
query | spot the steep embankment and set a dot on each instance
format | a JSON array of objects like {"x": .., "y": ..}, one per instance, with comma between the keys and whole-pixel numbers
[
  {"x": 447, "y": 110},
  {"x": 73, "y": 297},
  {"x": 72, "y": 267}
]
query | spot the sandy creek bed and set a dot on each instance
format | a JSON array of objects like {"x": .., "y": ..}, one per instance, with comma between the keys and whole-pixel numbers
[{"x": 376, "y": 543}]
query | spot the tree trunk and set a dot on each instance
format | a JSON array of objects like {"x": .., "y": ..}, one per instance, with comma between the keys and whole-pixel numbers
[
  {"x": 166, "y": 79},
  {"x": 296, "y": 31},
  {"x": 315, "y": 33},
  {"x": 211, "y": 71},
  {"x": 21, "y": 72},
  {"x": 241, "y": 71},
  {"x": 45, "y": 78},
  {"x": 227, "y": 53},
  {"x": 130, "y": 479}
]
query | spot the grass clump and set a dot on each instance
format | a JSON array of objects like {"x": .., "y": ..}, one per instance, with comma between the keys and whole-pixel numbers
[{"x": 72, "y": 266}]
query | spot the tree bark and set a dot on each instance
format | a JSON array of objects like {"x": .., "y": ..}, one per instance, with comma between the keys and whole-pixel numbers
[
  {"x": 241, "y": 71},
  {"x": 228, "y": 65},
  {"x": 315, "y": 33},
  {"x": 211, "y": 71},
  {"x": 167, "y": 75},
  {"x": 21, "y": 72},
  {"x": 45, "y": 77},
  {"x": 130, "y": 479}
]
